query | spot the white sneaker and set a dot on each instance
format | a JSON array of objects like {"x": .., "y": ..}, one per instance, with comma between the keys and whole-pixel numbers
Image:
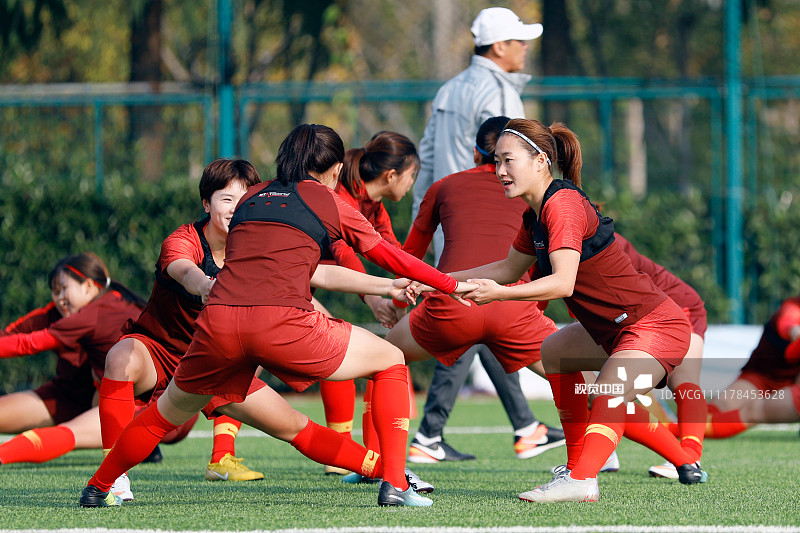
[
  {"x": 667, "y": 470},
  {"x": 563, "y": 488},
  {"x": 122, "y": 488},
  {"x": 612, "y": 463}
]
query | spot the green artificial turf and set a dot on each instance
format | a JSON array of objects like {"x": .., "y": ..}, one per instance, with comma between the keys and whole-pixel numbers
[{"x": 752, "y": 480}]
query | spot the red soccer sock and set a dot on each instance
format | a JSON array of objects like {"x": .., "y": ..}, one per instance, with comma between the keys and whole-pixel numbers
[
  {"x": 412, "y": 397},
  {"x": 649, "y": 433},
  {"x": 329, "y": 447},
  {"x": 339, "y": 401},
  {"x": 133, "y": 446},
  {"x": 573, "y": 408},
  {"x": 692, "y": 412},
  {"x": 606, "y": 426},
  {"x": 390, "y": 416},
  {"x": 725, "y": 424},
  {"x": 369, "y": 435},
  {"x": 713, "y": 409},
  {"x": 225, "y": 431},
  {"x": 116, "y": 409},
  {"x": 38, "y": 445}
]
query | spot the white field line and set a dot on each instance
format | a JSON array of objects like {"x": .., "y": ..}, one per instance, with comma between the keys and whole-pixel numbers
[{"x": 453, "y": 529}]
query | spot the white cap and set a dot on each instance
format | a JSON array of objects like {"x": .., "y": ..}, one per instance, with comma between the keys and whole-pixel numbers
[{"x": 495, "y": 24}]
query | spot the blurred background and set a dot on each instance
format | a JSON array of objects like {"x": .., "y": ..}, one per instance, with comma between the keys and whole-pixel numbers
[{"x": 688, "y": 112}]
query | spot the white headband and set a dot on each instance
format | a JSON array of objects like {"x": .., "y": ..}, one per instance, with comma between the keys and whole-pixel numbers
[{"x": 527, "y": 140}]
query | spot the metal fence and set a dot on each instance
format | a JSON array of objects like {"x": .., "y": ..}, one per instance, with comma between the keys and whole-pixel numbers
[{"x": 643, "y": 134}]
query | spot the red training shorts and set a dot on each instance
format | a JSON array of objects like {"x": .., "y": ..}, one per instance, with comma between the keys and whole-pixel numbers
[
  {"x": 64, "y": 403},
  {"x": 165, "y": 363},
  {"x": 513, "y": 330},
  {"x": 663, "y": 333},
  {"x": 299, "y": 347}
]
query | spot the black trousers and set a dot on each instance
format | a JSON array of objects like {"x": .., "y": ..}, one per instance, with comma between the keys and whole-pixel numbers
[{"x": 448, "y": 380}]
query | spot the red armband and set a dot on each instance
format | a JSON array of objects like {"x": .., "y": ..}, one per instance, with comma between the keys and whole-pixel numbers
[{"x": 28, "y": 343}]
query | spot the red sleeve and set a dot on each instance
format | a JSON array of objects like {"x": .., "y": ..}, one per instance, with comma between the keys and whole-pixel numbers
[
  {"x": 37, "y": 319},
  {"x": 417, "y": 242},
  {"x": 565, "y": 221},
  {"x": 428, "y": 215},
  {"x": 346, "y": 257},
  {"x": 183, "y": 243},
  {"x": 788, "y": 317},
  {"x": 400, "y": 263},
  {"x": 28, "y": 343},
  {"x": 523, "y": 242},
  {"x": 355, "y": 229},
  {"x": 383, "y": 225}
]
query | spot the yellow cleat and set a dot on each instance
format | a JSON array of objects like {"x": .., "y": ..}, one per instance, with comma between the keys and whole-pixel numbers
[
  {"x": 230, "y": 468},
  {"x": 335, "y": 471}
]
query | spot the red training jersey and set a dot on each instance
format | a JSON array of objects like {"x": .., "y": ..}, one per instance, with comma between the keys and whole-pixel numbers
[
  {"x": 478, "y": 221},
  {"x": 170, "y": 318},
  {"x": 94, "y": 329},
  {"x": 71, "y": 366},
  {"x": 609, "y": 293},
  {"x": 677, "y": 289},
  {"x": 271, "y": 263},
  {"x": 376, "y": 214}
]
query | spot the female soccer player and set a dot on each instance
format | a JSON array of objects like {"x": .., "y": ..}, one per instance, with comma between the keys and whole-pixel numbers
[
  {"x": 143, "y": 361},
  {"x": 383, "y": 169},
  {"x": 479, "y": 224},
  {"x": 81, "y": 324},
  {"x": 768, "y": 387},
  {"x": 259, "y": 312},
  {"x": 628, "y": 329}
]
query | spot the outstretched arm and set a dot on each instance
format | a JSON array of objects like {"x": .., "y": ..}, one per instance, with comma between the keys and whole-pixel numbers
[
  {"x": 193, "y": 279},
  {"x": 21, "y": 344},
  {"x": 559, "y": 284},
  {"x": 342, "y": 279}
]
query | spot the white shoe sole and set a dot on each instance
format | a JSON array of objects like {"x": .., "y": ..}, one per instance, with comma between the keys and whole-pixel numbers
[
  {"x": 662, "y": 471},
  {"x": 533, "y": 452}
]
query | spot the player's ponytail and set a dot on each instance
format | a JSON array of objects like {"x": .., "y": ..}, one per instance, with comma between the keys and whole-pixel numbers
[
  {"x": 570, "y": 160},
  {"x": 308, "y": 148}
]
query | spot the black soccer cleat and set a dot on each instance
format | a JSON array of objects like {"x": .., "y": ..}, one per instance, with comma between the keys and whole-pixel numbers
[
  {"x": 94, "y": 497},
  {"x": 689, "y": 474},
  {"x": 435, "y": 453}
]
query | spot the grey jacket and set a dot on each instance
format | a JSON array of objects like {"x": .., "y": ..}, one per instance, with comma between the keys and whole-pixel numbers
[{"x": 461, "y": 105}]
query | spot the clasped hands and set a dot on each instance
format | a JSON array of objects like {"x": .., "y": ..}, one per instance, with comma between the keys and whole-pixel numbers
[{"x": 480, "y": 291}]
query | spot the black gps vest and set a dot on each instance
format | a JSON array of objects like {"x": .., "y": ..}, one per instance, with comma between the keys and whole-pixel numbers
[
  {"x": 283, "y": 204},
  {"x": 592, "y": 246},
  {"x": 208, "y": 266}
]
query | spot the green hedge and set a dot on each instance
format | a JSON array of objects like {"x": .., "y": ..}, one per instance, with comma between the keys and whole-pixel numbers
[{"x": 43, "y": 218}]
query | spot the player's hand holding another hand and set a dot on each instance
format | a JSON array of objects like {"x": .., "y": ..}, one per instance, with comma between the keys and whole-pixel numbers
[
  {"x": 485, "y": 291},
  {"x": 462, "y": 289}
]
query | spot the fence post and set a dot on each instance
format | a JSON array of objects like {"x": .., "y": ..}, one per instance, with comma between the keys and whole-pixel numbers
[
  {"x": 227, "y": 142},
  {"x": 97, "y": 109},
  {"x": 733, "y": 129}
]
